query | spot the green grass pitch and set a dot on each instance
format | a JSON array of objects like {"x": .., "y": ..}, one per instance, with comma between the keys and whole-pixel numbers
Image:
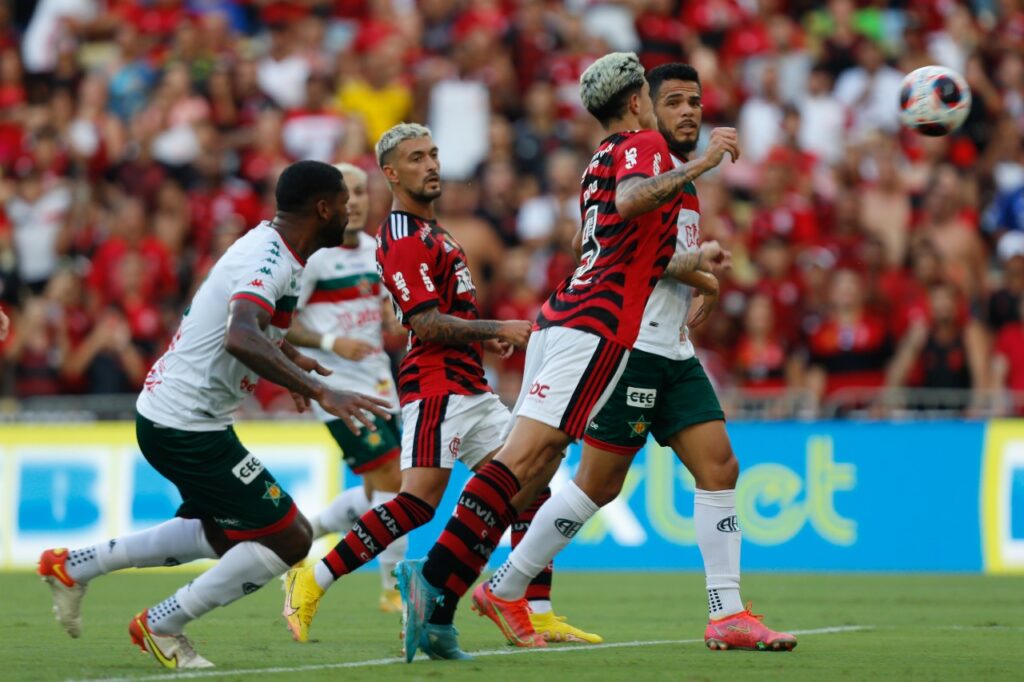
[{"x": 915, "y": 627}]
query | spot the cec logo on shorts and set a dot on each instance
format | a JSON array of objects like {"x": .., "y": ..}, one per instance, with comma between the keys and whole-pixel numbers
[
  {"x": 248, "y": 469},
  {"x": 641, "y": 397}
]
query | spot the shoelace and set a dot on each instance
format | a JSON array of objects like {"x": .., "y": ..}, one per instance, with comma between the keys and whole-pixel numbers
[
  {"x": 747, "y": 611},
  {"x": 520, "y": 616}
]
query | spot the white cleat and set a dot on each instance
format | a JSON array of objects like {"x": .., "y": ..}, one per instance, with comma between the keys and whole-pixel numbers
[
  {"x": 67, "y": 594},
  {"x": 171, "y": 651}
]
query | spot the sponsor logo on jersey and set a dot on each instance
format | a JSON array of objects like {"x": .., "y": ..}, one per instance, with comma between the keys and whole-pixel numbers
[
  {"x": 656, "y": 166},
  {"x": 630, "y": 158},
  {"x": 641, "y": 397},
  {"x": 247, "y": 470},
  {"x": 247, "y": 386},
  {"x": 540, "y": 390},
  {"x": 568, "y": 528},
  {"x": 729, "y": 525}
]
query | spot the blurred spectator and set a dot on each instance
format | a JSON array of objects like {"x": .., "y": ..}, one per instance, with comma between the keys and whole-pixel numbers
[
  {"x": 283, "y": 72},
  {"x": 852, "y": 347},
  {"x": 870, "y": 91},
  {"x": 947, "y": 352},
  {"x": 38, "y": 214},
  {"x": 378, "y": 94},
  {"x": 822, "y": 118},
  {"x": 1004, "y": 303},
  {"x": 313, "y": 131},
  {"x": 1008, "y": 360},
  {"x": 760, "y": 121},
  {"x": 764, "y": 361}
]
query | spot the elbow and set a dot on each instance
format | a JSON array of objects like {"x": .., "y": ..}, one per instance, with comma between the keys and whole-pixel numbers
[
  {"x": 625, "y": 208},
  {"x": 234, "y": 341}
]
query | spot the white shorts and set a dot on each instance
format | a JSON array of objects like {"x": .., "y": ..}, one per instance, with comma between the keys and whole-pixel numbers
[
  {"x": 441, "y": 429},
  {"x": 569, "y": 376}
]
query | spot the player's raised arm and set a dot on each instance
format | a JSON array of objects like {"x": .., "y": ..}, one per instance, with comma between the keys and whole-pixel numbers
[{"x": 637, "y": 195}]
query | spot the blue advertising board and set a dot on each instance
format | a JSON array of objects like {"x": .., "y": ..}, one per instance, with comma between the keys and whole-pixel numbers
[{"x": 946, "y": 496}]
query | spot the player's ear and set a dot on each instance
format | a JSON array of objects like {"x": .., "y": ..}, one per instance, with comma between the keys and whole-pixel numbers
[{"x": 390, "y": 173}]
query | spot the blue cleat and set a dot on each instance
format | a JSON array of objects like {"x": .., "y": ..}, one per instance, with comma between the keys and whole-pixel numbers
[
  {"x": 419, "y": 598},
  {"x": 441, "y": 643}
]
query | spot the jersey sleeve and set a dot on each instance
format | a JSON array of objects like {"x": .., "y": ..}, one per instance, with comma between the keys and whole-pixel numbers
[
  {"x": 406, "y": 274},
  {"x": 264, "y": 283},
  {"x": 643, "y": 155}
]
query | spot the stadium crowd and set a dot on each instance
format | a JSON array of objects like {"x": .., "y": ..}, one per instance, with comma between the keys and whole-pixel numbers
[{"x": 139, "y": 139}]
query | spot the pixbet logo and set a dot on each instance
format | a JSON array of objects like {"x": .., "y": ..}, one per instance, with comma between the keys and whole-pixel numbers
[
  {"x": 540, "y": 390},
  {"x": 641, "y": 397}
]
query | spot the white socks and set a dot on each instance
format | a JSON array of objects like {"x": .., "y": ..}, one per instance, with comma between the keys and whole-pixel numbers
[
  {"x": 174, "y": 542},
  {"x": 342, "y": 513},
  {"x": 394, "y": 552},
  {"x": 719, "y": 539},
  {"x": 242, "y": 570},
  {"x": 555, "y": 524}
]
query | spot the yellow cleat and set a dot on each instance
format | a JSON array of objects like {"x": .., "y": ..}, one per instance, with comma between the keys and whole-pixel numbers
[
  {"x": 301, "y": 600},
  {"x": 390, "y": 601},
  {"x": 555, "y": 629}
]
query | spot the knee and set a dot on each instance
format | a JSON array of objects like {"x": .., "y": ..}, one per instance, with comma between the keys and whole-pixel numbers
[
  {"x": 294, "y": 545},
  {"x": 600, "y": 492},
  {"x": 721, "y": 472}
]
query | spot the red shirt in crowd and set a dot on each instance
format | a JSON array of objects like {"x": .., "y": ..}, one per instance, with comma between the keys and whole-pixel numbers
[
  {"x": 1010, "y": 344},
  {"x": 853, "y": 355}
]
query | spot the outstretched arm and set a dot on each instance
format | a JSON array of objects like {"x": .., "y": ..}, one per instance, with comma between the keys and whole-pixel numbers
[
  {"x": 636, "y": 196},
  {"x": 437, "y": 327}
]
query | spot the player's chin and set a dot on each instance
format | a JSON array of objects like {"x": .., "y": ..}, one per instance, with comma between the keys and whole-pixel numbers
[{"x": 431, "y": 190}]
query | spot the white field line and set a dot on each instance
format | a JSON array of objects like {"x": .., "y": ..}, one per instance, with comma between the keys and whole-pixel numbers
[{"x": 508, "y": 651}]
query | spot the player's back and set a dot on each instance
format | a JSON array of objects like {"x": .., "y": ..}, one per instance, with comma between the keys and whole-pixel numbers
[
  {"x": 423, "y": 267},
  {"x": 197, "y": 384},
  {"x": 622, "y": 259}
]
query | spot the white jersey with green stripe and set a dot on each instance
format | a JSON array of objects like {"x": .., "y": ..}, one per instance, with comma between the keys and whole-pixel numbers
[
  {"x": 342, "y": 295},
  {"x": 663, "y": 330},
  {"x": 197, "y": 385}
]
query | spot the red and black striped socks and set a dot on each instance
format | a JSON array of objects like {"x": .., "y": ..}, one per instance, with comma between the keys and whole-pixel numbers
[
  {"x": 539, "y": 589},
  {"x": 374, "y": 531},
  {"x": 483, "y": 513}
]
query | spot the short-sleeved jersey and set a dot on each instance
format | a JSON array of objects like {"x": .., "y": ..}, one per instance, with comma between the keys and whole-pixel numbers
[
  {"x": 663, "y": 330},
  {"x": 342, "y": 295},
  {"x": 622, "y": 259},
  {"x": 422, "y": 266},
  {"x": 196, "y": 385}
]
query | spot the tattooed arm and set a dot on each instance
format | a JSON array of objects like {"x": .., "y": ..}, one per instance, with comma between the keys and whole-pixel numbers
[
  {"x": 685, "y": 262},
  {"x": 436, "y": 327},
  {"x": 636, "y": 196}
]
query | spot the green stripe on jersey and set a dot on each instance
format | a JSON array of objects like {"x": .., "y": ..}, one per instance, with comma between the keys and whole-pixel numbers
[
  {"x": 286, "y": 304},
  {"x": 347, "y": 281}
]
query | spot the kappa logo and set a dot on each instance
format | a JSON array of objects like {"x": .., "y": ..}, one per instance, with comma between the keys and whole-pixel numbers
[
  {"x": 729, "y": 525},
  {"x": 568, "y": 528},
  {"x": 249, "y": 588},
  {"x": 641, "y": 397},
  {"x": 258, "y": 283},
  {"x": 248, "y": 469},
  {"x": 453, "y": 446}
]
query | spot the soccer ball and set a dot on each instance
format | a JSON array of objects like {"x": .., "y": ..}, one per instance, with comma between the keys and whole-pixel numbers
[{"x": 934, "y": 100}]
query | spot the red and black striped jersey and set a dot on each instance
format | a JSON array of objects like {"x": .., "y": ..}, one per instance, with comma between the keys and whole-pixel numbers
[
  {"x": 422, "y": 266},
  {"x": 622, "y": 259}
]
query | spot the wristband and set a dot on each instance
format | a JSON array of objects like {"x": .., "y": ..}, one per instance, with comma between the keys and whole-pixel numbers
[{"x": 327, "y": 342}]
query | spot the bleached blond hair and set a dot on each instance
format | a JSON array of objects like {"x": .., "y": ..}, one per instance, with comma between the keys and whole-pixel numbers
[
  {"x": 606, "y": 78},
  {"x": 396, "y": 135},
  {"x": 351, "y": 169}
]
